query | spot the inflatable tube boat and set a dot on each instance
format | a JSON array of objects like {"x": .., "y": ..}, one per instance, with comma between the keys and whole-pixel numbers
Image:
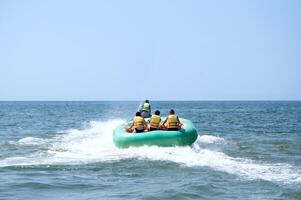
[{"x": 182, "y": 137}]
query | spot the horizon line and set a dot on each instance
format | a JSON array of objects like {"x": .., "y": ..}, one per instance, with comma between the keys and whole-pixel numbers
[{"x": 132, "y": 100}]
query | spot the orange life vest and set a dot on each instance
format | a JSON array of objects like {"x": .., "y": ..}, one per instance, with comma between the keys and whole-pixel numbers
[
  {"x": 138, "y": 122},
  {"x": 172, "y": 121},
  {"x": 155, "y": 121}
]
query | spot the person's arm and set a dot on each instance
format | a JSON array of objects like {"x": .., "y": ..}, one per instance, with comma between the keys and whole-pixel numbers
[
  {"x": 128, "y": 128},
  {"x": 132, "y": 125},
  {"x": 180, "y": 123},
  {"x": 160, "y": 122},
  {"x": 145, "y": 124},
  {"x": 165, "y": 121},
  {"x": 140, "y": 107}
]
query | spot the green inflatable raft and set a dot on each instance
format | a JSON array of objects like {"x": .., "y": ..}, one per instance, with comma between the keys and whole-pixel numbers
[{"x": 185, "y": 136}]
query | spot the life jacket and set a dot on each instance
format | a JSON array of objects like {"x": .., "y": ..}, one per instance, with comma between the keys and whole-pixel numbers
[
  {"x": 172, "y": 121},
  {"x": 155, "y": 121},
  {"x": 138, "y": 122},
  {"x": 146, "y": 107}
]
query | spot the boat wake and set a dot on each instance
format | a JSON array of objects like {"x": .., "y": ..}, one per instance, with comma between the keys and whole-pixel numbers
[{"x": 94, "y": 144}]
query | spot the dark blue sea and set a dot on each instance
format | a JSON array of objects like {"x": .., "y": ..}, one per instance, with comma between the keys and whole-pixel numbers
[{"x": 64, "y": 151}]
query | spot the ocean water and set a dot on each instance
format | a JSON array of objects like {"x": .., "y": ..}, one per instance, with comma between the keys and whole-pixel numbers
[{"x": 64, "y": 150}]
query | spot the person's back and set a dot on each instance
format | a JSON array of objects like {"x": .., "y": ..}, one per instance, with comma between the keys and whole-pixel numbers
[
  {"x": 173, "y": 122},
  {"x": 146, "y": 109},
  {"x": 138, "y": 123},
  {"x": 154, "y": 121}
]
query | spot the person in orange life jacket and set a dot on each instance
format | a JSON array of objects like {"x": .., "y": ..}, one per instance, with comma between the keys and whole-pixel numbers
[
  {"x": 145, "y": 109},
  {"x": 138, "y": 124},
  {"x": 172, "y": 122},
  {"x": 154, "y": 121}
]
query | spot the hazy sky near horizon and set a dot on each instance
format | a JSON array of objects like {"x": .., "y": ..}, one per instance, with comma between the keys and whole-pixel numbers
[{"x": 163, "y": 50}]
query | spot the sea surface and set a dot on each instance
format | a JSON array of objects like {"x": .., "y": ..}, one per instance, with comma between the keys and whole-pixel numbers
[{"x": 64, "y": 151}]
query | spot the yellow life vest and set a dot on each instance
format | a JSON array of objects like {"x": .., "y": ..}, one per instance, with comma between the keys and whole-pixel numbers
[
  {"x": 155, "y": 121},
  {"x": 146, "y": 107},
  {"x": 138, "y": 122},
  {"x": 172, "y": 121}
]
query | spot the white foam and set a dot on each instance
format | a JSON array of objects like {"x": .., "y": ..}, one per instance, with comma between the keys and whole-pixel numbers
[
  {"x": 95, "y": 144},
  {"x": 29, "y": 141},
  {"x": 210, "y": 139},
  {"x": 219, "y": 161}
]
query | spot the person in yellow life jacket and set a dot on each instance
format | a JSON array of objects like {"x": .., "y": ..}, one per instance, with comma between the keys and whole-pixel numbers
[
  {"x": 154, "y": 121},
  {"x": 145, "y": 109},
  {"x": 172, "y": 122},
  {"x": 138, "y": 124}
]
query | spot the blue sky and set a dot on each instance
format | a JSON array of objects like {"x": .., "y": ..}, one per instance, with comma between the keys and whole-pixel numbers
[{"x": 160, "y": 50}]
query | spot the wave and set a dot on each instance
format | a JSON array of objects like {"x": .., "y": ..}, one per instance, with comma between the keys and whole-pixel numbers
[
  {"x": 94, "y": 144},
  {"x": 29, "y": 141},
  {"x": 210, "y": 139}
]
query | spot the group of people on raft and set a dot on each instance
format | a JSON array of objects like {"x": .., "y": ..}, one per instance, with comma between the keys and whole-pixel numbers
[{"x": 139, "y": 124}]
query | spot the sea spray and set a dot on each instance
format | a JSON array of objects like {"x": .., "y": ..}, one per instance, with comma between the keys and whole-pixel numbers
[{"x": 94, "y": 144}]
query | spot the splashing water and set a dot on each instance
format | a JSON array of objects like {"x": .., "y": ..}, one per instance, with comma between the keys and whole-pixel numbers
[{"x": 95, "y": 144}]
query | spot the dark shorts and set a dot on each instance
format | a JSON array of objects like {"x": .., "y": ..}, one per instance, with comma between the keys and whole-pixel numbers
[
  {"x": 139, "y": 130},
  {"x": 152, "y": 129},
  {"x": 173, "y": 129},
  {"x": 145, "y": 114}
]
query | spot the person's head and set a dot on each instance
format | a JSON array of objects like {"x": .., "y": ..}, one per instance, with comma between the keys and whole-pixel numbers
[
  {"x": 172, "y": 112},
  {"x": 146, "y": 101},
  {"x": 138, "y": 114},
  {"x": 157, "y": 112}
]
